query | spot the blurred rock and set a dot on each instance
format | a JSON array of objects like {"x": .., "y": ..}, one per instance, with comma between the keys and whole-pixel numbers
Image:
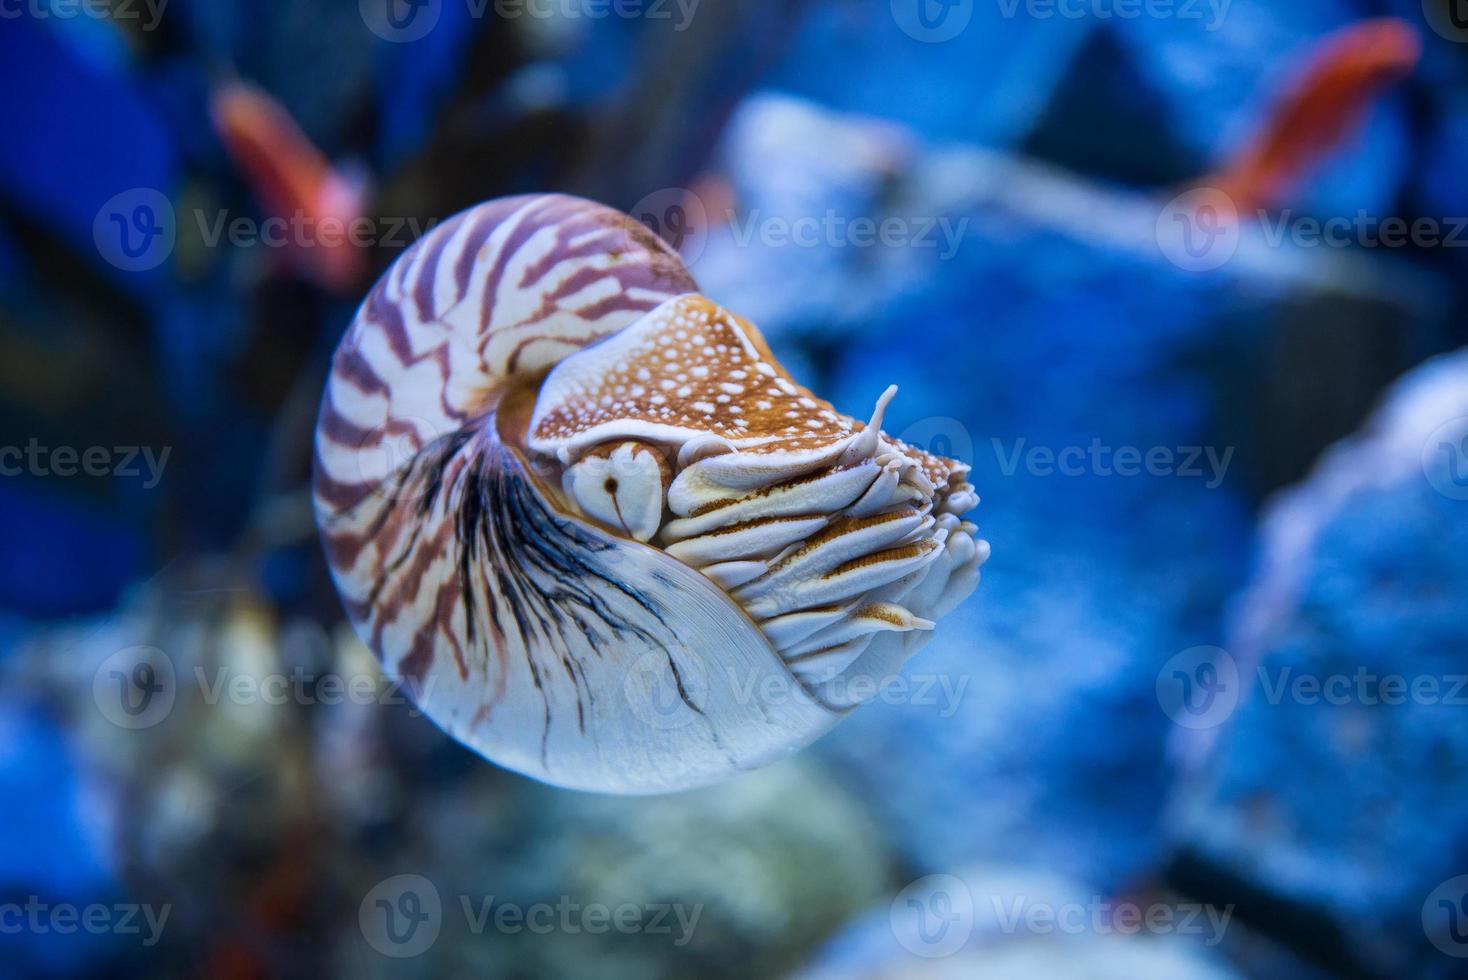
[
  {"x": 1055, "y": 329},
  {"x": 248, "y": 767},
  {"x": 1337, "y": 783},
  {"x": 733, "y": 881},
  {"x": 1010, "y": 925}
]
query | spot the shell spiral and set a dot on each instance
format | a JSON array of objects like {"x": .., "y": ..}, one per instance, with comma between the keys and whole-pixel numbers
[{"x": 595, "y": 529}]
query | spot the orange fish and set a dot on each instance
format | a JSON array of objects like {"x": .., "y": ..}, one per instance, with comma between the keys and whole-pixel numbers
[
  {"x": 294, "y": 181},
  {"x": 1320, "y": 110}
]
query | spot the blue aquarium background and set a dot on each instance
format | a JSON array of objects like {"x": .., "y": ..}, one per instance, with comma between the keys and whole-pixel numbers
[{"x": 1185, "y": 282}]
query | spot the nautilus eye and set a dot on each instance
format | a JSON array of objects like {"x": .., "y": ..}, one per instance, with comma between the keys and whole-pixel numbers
[
  {"x": 625, "y": 550},
  {"x": 622, "y": 486}
]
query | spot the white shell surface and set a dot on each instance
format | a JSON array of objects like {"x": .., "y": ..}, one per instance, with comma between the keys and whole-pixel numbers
[{"x": 485, "y": 522}]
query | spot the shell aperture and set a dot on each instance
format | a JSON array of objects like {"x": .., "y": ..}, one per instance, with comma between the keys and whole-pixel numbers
[
  {"x": 795, "y": 509},
  {"x": 595, "y": 527}
]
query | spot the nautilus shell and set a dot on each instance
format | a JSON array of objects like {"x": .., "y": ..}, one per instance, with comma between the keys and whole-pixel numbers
[{"x": 592, "y": 525}]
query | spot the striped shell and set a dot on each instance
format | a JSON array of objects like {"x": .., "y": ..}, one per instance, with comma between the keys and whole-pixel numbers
[{"x": 593, "y": 526}]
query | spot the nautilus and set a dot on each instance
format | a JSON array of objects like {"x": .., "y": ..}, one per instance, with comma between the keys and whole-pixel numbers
[{"x": 583, "y": 515}]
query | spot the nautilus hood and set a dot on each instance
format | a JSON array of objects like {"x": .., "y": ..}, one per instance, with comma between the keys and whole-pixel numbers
[{"x": 596, "y": 528}]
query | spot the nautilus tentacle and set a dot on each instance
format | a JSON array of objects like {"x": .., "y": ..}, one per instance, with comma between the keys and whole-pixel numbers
[{"x": 595, "y": 527}]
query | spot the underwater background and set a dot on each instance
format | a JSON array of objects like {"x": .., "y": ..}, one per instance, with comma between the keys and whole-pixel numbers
[{"x": 1184, "y": 281}]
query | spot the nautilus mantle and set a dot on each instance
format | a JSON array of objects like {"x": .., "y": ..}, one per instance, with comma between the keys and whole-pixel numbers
[{"x": 595, "y": 529}]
